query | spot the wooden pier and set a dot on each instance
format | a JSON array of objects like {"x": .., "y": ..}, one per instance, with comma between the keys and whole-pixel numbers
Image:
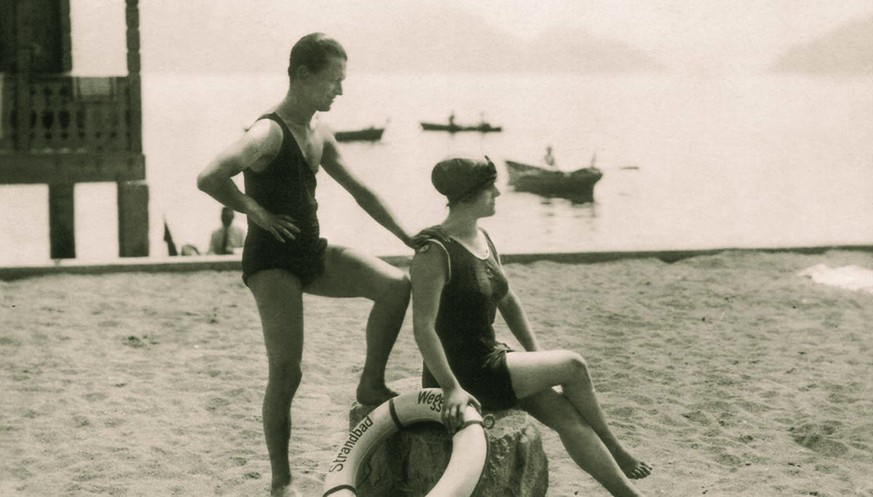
[{"x": 59, "y": 130}]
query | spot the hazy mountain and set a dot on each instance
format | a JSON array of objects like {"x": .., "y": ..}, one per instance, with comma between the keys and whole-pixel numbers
[
  {"x": 847, "y": 49},
  {"x": 579, "y": 52},
  {"x": 453, "y": 41},
  {"x": 426, "y": 39}
]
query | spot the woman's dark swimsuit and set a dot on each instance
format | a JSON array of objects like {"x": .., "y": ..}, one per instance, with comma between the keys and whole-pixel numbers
[
  {"x": 464, "y": 323},
  {"x": 286, "y": 186}
]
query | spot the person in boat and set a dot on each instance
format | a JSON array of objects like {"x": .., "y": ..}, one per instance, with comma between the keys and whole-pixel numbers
[
  {"x": 452, "y": 120},
  {"x": 549, "y": 159},
  {"x": 483, "y": 125},
  {"x": 284, "y": 255},
  {"x": 458, "y": 286}
]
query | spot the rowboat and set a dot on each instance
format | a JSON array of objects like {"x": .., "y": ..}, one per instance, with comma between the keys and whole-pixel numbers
[
  {"x": 482, "y": 127},
  {"x": 577, "y": 186},
  {"x": 371, "y": 134}
]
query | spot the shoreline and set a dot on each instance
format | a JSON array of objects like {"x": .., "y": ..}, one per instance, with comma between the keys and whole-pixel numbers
[{"x": 233, "y": 262}]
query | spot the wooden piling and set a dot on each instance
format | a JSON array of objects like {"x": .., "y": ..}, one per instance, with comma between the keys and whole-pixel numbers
[
  {"x": 133, "y": 219},
  {"x": 62, "y": 221}
]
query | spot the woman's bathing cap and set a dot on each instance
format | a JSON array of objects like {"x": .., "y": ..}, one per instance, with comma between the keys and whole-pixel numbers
[{"x": 457, "y": 178}]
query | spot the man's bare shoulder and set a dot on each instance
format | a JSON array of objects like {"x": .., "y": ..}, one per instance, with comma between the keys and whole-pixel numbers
[
  {"x": 264, "y": 132},
  {"x": 324, "y": 133},
  {"x": 262, "y": 142},
  {"x": 331, "y": 158}
]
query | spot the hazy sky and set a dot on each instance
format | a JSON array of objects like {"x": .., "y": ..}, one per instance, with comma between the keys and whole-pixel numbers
[
  {"x": 709, "y": 35},
  {"x": 702, "y": 36}
]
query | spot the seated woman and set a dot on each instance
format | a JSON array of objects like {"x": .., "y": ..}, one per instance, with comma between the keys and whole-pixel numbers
[{"x": 457, "y": 287}]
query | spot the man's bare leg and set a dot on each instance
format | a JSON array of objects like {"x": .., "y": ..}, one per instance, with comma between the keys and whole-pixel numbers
[
  {"x": 279, "y": 297},
  {"x": 351, "y": 273}
]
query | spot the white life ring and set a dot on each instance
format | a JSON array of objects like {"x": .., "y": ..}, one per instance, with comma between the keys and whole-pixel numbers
[{"x": 469, "y": 446}]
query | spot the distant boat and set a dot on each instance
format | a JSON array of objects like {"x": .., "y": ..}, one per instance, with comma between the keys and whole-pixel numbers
[
  {"x": 371, "y": 134},
  {"x": 482, "y": 127},
  {"x": 577, "y": 186}
]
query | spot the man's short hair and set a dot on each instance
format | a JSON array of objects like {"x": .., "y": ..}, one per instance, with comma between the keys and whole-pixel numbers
[{"x": 313, "y": 51}]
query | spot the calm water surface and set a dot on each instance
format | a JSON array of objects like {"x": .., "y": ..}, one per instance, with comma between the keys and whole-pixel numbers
[{"x": 688, "y": 163}]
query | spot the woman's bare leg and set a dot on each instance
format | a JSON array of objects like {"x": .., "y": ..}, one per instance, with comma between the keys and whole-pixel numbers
[
  {"x": 533, "y": 372},
  {"x": 582, "y": 443},
  {"x": 279, "y": 297}
]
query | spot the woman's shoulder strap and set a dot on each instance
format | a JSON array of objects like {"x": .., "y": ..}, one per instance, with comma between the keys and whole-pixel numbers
[
  {"x": 435, "y": 232},
  {"x": 491, "y": 246},
  {"x": 435, "y": 235}
]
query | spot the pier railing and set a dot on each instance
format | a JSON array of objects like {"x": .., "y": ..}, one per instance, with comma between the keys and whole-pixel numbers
[
  {"x": 57, "y": 128},
  {"x": 66, "y": 114},
  {"x": 60, "y": 130}
]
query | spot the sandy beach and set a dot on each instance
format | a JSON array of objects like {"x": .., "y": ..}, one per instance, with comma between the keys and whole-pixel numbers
[{"x": 731, "y": 374}]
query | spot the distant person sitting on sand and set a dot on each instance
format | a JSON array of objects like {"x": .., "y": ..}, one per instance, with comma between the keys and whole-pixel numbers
[
  {"x": 458, "y": 285},
  {"x": 284, "y": 255},
  {"x": 549, "y": 159},
  {"x": 228, "y": 238}
]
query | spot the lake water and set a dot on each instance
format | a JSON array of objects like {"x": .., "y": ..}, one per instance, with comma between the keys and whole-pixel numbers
[{"x": 688, "y": 163}]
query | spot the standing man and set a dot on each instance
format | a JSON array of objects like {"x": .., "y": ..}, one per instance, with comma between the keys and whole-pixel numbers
[{"x": 284, "y": 256}]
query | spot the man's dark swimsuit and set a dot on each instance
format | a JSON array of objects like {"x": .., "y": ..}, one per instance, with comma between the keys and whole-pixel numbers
[
  {"x": 465, "y": 319},
  {"x": 286, "y": 186}
]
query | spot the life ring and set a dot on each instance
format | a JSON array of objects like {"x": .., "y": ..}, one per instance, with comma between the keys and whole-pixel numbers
[{"x": 469, "y": 446}]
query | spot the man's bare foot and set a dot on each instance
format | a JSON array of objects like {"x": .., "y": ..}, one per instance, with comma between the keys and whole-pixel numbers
[
  {"x": 371, "y": 393},
  {"x": 632, "y": 467},
  {"x": 285, "y": 491}
]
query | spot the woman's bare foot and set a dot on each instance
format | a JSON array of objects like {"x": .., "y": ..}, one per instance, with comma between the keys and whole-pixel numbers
[{"x": 632, "y": 467}]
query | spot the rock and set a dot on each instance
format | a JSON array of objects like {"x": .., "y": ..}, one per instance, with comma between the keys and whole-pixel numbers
[{"x": 410, "y": 462}]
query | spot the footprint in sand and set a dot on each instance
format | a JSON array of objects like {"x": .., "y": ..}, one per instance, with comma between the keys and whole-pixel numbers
[
  {"x": 95, "y": 396},
  {"x": 818, "y": 437},
  {"x": 698, "y": 417},
  {"x": 217, "y": 403}
]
